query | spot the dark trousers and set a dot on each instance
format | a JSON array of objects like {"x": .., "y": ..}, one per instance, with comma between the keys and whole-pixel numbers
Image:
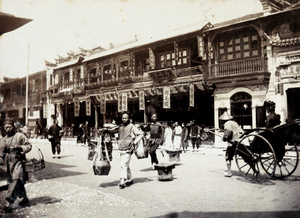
[
  {"x": 16, "y": 189},
  {"x": 152, "y": 152},
  {"x": 195, "y": 141},
  {"x": 55, "y": 146},
  {"x": 86, "y": 138}
]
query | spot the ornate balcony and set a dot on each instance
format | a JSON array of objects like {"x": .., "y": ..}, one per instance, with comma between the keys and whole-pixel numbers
[{"x": 250, "y": 65}]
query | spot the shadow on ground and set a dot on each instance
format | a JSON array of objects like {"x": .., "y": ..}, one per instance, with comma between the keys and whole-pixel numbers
[
  {"x": 52, "y": 171},
  {"x": 135, "y": 180},
  {"x": 186, "y": 214}
]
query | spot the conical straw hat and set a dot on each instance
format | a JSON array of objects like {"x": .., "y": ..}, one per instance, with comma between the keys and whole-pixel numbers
[{"x": 225, "y": 116}]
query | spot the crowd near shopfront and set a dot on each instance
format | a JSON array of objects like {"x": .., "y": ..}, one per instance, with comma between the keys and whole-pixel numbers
[{"x": 232, "y": 66}]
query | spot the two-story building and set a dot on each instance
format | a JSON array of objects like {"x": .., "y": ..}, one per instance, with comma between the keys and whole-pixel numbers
[
  {"x": 13, "y": 95},
  {"x": 164, "y": 76},
  {"x": 254, "y": 58}
]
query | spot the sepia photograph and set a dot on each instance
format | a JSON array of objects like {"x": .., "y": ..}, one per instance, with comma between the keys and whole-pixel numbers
[{"x": 149, "y": 108}]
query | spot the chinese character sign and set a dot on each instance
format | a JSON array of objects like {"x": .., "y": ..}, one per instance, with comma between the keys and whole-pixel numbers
[
  {"x": 102, "y": 104},
  {"x": 124, "y": 101},
  {"x": 151, "y": 58},
  {"x": 88, "y": 107},
  {"x": 76, "y": 108},
  {"x": 45, "y": 111},
  {"x": 166, "y": 98},
  {"x": 119, "y": 102},
  {"x": 192, "y": 95},
  {"x": 141, "y": 100}
]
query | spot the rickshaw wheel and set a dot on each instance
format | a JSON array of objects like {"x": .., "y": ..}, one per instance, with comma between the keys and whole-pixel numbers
[
  {"x": 255, "y": 158},
  {"x": 289, "y": 162}
]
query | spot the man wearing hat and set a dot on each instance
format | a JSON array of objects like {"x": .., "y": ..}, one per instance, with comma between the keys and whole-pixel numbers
[
  {"x": 231, "y": 135},
  {"x": 14, "y": 146},
  {"x": 273, "y": 119}
]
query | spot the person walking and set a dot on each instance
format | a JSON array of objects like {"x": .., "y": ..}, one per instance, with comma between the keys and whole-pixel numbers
[
  {"x": 231, "y": 136},
  {"x": 156, "y": 137},
  {"x": 55, "y": 132},
  {"x": 129, "y": 136},
  {"x": 184, "y": 137},
  {"x": 80, "y": 134},
  {"x": 195, "y": 135},
  {"x": 14, "y": 146},
  {"x": 86, "y": 133},
  {"x": 177, "y": 136}
]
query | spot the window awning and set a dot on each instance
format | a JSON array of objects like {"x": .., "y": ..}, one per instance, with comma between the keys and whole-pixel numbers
[{"x": 162, "y": 74}]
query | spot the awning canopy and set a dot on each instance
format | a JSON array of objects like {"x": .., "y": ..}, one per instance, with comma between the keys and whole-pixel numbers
[
  {"x": 162, "y": 74},
  {"x": 9, "y": 22}
]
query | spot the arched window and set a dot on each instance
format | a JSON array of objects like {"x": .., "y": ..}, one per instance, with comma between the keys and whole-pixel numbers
[{"x": 241, "y": 109}]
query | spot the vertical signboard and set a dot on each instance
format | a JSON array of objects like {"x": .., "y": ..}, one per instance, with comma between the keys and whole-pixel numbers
[
  {"x": 151, "y": 58},
  {"x": 119, "y": 102},
  {"x": 88, "y": 107},
  {"x": 124, "y": 101},
  {"x": 142, "y": 100},
  {"x": 200, "y": 46},
  {"x": 192, "y": 95},
  {"x": 102, "y": 104},
  {"x": 45, "y": 111},
  {"x": 20, "y": 112},
  {"x": 76, "y": 108},
  {"x": 176, "y": 52},
  {"x": 166, "y": 98}
]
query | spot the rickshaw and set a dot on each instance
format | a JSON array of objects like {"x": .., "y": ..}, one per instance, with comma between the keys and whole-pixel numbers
[{"x": 262, "y": 154}]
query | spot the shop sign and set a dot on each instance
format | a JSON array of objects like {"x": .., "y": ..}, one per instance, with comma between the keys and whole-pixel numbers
[
  {"x": 192, "y": 95},
  {"x": 45, "y": 111},
  {"x": 124, "y": 101},
  {"x": 119, "y": 102},
  {"x": 20, "y": 112},
  {"x": 200, "y": 47},
  {"x": 151, "y": 58},
  {"x": 88, "y": 107},
  {"x": 166, "y": 98},
  {"x": 142, "y": 100},
  {"x": 102, "y": 104},
  {"x": 76, "y": 108}
]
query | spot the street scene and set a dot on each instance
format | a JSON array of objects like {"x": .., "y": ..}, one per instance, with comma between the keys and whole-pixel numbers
[
  {"x": 149, "y": 108},
  {"x": 67, "y": 187}
]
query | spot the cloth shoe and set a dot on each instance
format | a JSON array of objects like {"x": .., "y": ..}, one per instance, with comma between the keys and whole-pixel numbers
[
  {"x": 58, "y": 156},
  {"x": 227, "y": 174},
  {"x": 122, "y": 183},
  {"x": 53, "y": 156},
  {"x": 24, "y": 202}
]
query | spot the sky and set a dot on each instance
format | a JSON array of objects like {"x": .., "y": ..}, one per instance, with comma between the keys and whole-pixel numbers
[{"x": 59, "y": 26}]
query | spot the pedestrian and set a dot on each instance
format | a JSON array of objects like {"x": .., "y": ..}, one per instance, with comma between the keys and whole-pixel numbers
[
  {"x": 129, "y": 136},
  {"x": 80, "y": 134},
  {"x": 55, "y": 132},
  {"x": 272, "y": 119},
  {"x": 177, "y": 136},
  {"x": 184, "y": 137},
  {"x": 86, "y": 133},
  {"x": 156, "y": 138},
  {"x": 231, "y": 136},
  {"x": 168, "y": 137},
  {"x": 195, "y": 135},
  {"x": 14, "y": 146}
]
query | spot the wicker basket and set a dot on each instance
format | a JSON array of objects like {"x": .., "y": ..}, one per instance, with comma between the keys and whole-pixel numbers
[{"x": 33, "y": 164}]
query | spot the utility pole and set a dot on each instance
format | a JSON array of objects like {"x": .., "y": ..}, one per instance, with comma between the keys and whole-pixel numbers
[{"x": 26, "y": 109}]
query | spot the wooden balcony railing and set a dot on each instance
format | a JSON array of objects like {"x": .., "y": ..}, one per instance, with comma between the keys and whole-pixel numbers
[{"x": 250, "y": 65}]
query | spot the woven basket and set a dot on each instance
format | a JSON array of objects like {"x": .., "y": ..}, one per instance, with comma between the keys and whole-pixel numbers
[{"x": 33, "y": 164}]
